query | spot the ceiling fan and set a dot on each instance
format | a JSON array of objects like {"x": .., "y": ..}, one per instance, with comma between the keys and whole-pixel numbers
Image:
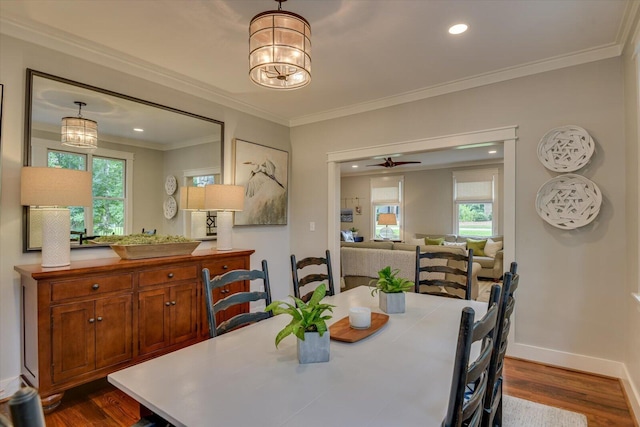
[{"x": 389, "y": 163}]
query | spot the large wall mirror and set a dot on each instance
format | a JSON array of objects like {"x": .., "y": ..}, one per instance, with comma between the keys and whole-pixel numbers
[{"x": 145, "y": 153}]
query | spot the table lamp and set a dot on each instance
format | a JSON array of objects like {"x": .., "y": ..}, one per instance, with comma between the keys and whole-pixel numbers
[
  {"x": 225, "y": 199},
  {"x": 387, "y": 219},
  {"x": 50, "y": 190},
  {"x": 192, "y": 199}
]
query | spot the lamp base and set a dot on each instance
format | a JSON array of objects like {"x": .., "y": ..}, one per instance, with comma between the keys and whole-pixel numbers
[
  {"x": 56, "y": 232},
  {"x": 224, "y": 223},
  {"x": 198, "y": 228}
]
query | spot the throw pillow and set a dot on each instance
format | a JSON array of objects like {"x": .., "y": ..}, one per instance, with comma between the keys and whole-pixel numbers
[
  {"x": 417, "y": 242},
  {"x": 438, "y": 241},
  {"x": 477, "y": 246},
  {"x": 492, "y": 247},
  {"x": 347, "y": 235},
  {"x": 462, "y": 245}
]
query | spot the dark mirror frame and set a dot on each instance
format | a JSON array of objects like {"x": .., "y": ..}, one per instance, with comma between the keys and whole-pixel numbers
[{"x": 27, "y": 134}]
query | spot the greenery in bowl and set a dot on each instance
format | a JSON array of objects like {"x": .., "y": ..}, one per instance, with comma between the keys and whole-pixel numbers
[
  {"x": 388, "y": 282},
  {"x": 305, "y": 317},
  {"x": 353, "y": 230},
  {"x": 141, "y": 239}
]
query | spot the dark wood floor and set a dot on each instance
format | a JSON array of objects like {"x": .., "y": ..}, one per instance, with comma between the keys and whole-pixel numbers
[{"x": 601, "y": 399}]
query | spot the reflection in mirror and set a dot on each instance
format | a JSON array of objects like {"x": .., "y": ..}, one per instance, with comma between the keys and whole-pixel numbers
[{"x": 145, "y": 153}]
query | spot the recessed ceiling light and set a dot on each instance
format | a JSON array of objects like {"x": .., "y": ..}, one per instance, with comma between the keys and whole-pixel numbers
[
  {"x": 354, "y": 166},
  {"x": 138, "y": 129},
  {"x": 493, "y": 151},
  {"x": 458, "y": 29}
]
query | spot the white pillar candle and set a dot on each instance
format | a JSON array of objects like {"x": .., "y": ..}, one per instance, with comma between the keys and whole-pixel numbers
[{"x": 360, "y": 317}]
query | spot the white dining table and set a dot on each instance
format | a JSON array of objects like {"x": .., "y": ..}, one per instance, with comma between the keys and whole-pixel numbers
[{"x": 399, "y": 376}]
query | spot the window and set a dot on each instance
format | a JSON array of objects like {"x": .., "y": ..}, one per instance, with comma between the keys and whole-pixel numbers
[
  {"x": 111, "y": 171},
  {"x": 474, "y": 196},
  {"x": 386, "y": 198},
  {"x": 107, "y": 214},
  {"x": 201, "y": 178}
]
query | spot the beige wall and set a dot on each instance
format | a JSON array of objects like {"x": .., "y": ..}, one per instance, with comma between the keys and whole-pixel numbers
[
  {"x": 428, "y": 200},
  {"x": 15, "y": 57},
  {"x": 567, "y": 275},
  {"x": 632, "y": 134}
]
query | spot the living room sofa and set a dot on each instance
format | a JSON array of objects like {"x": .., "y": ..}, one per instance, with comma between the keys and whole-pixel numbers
[
  {"x": 360, "y": 262},
  {"x": 492, "y": 267}
]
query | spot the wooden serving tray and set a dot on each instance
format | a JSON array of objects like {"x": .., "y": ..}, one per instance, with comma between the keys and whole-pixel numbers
[{"x": 342, "y": 330}]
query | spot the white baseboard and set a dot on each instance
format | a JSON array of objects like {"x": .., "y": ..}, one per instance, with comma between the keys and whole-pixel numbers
[
  {"x": 633, "y": 394},
  {"x": 8, "y": 387},
  {"x": 580, "y": 362}
]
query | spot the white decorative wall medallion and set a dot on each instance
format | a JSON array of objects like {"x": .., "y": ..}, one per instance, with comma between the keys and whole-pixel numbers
[
  {"x": 568, "y": 201},
  {"x": 565, "y": 149}
]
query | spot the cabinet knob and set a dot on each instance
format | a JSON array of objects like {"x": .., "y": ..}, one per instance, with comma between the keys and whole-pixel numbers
[
  {"x": 92, "y": 320},
  {"x": 173, "y": 303},
  {"x": 167, "y": 303},
  {"x": 224, "y": 267},
  {"x": 99, "y": 319},
  {"x": 170, "y": 275},
  {"x": 95, "y": 286}
]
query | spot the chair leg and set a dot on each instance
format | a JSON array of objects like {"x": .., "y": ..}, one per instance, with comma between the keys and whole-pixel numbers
[{"x": 497, "y": 418}]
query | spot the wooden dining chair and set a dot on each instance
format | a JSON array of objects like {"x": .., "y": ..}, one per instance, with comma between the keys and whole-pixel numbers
[
  {"x": 313, "y": 279},
  {"x": 234, "y": 299},
  {"x": 492, "y": 415},
  {"x": 469, "y": 382},
  {"x": 451, "y": 277}
]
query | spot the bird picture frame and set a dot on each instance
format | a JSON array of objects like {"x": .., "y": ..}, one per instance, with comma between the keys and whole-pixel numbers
[{"x": 263, "y": 172}]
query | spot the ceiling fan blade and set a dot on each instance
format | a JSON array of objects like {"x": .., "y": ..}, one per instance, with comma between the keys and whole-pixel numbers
[{"x": 404, "y": 163}]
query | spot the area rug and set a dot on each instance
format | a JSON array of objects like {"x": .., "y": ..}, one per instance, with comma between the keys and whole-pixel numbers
[
  {"x": 523, "y": 413},
  {"x": 484, "y": 289}
]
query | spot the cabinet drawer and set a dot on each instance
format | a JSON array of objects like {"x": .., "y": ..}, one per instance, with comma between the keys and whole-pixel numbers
[
  {"x": 88, "y": 286},
  {"x": 168, "y": 275},
  {"x": 220, "y": 267}
]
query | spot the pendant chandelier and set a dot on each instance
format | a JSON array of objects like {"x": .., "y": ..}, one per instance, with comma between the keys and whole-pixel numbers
[
  {"x": 280, "y": 49},
  {"x": 79, "y": 132}
]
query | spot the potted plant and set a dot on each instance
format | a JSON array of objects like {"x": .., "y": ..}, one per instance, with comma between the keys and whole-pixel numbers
[
  {"x": 308, "y": 324},
  {"x": 391, "y": 290},
  {"x": 354, "y": 231}
]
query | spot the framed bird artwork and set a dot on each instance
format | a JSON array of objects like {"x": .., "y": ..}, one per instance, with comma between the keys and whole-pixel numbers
[{"x": 262, "y": 171}]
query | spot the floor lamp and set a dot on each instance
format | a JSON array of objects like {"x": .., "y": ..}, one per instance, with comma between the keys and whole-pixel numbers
[
  {"x": 50, "y": 190},
  {"x": 192, "y": 202},
  {"x": 225, "y": 199},
  {"x": 387, "y": 219}
]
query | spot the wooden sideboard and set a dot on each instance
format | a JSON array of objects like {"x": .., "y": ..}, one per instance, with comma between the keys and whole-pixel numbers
[{"x": 94, "y": 317}]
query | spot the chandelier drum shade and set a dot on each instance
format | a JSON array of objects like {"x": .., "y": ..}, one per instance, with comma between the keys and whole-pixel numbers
[
  {"x": 280, "y": 49},
  {"x": 79, "y": 132}
]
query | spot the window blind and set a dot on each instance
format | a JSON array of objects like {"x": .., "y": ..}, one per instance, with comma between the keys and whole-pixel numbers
[
  {"x": 387, "y": 189},
  {"x": 474, "y": 185}
]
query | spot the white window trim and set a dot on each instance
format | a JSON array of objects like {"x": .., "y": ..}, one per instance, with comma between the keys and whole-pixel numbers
[
  {"x": 495, "y": 202},
  {"x": 40, "y": 147}
]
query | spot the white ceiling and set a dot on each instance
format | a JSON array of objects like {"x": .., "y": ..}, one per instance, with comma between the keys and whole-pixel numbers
[{"x": 366, "y": 53}]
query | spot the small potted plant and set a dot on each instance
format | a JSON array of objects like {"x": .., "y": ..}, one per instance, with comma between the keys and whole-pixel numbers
[
  {"x": 354, "y": 231},
  {"x": 308, "y": 324},
  {"x": 391, "y": 290}
]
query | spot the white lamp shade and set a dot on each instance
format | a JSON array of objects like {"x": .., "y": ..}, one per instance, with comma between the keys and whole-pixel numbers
[
  {"x": 220, "y": 197},
  {"x": 40, "y": 186},
  {"x": 192, "y": 198}
]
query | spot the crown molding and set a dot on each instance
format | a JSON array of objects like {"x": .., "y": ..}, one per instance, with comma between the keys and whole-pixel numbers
[
  {"x": 63, "y": 42},
  {"x": 577, "y": 58}
]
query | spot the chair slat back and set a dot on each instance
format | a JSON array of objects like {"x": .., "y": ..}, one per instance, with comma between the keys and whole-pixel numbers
[
  {"x": 455, "y": 278},
  {"x": 312, "y": 278},
  {"x": 469, "y": 382},
  {"x": 241, "y": 319},
  {"x": 493, "y": 398}
]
